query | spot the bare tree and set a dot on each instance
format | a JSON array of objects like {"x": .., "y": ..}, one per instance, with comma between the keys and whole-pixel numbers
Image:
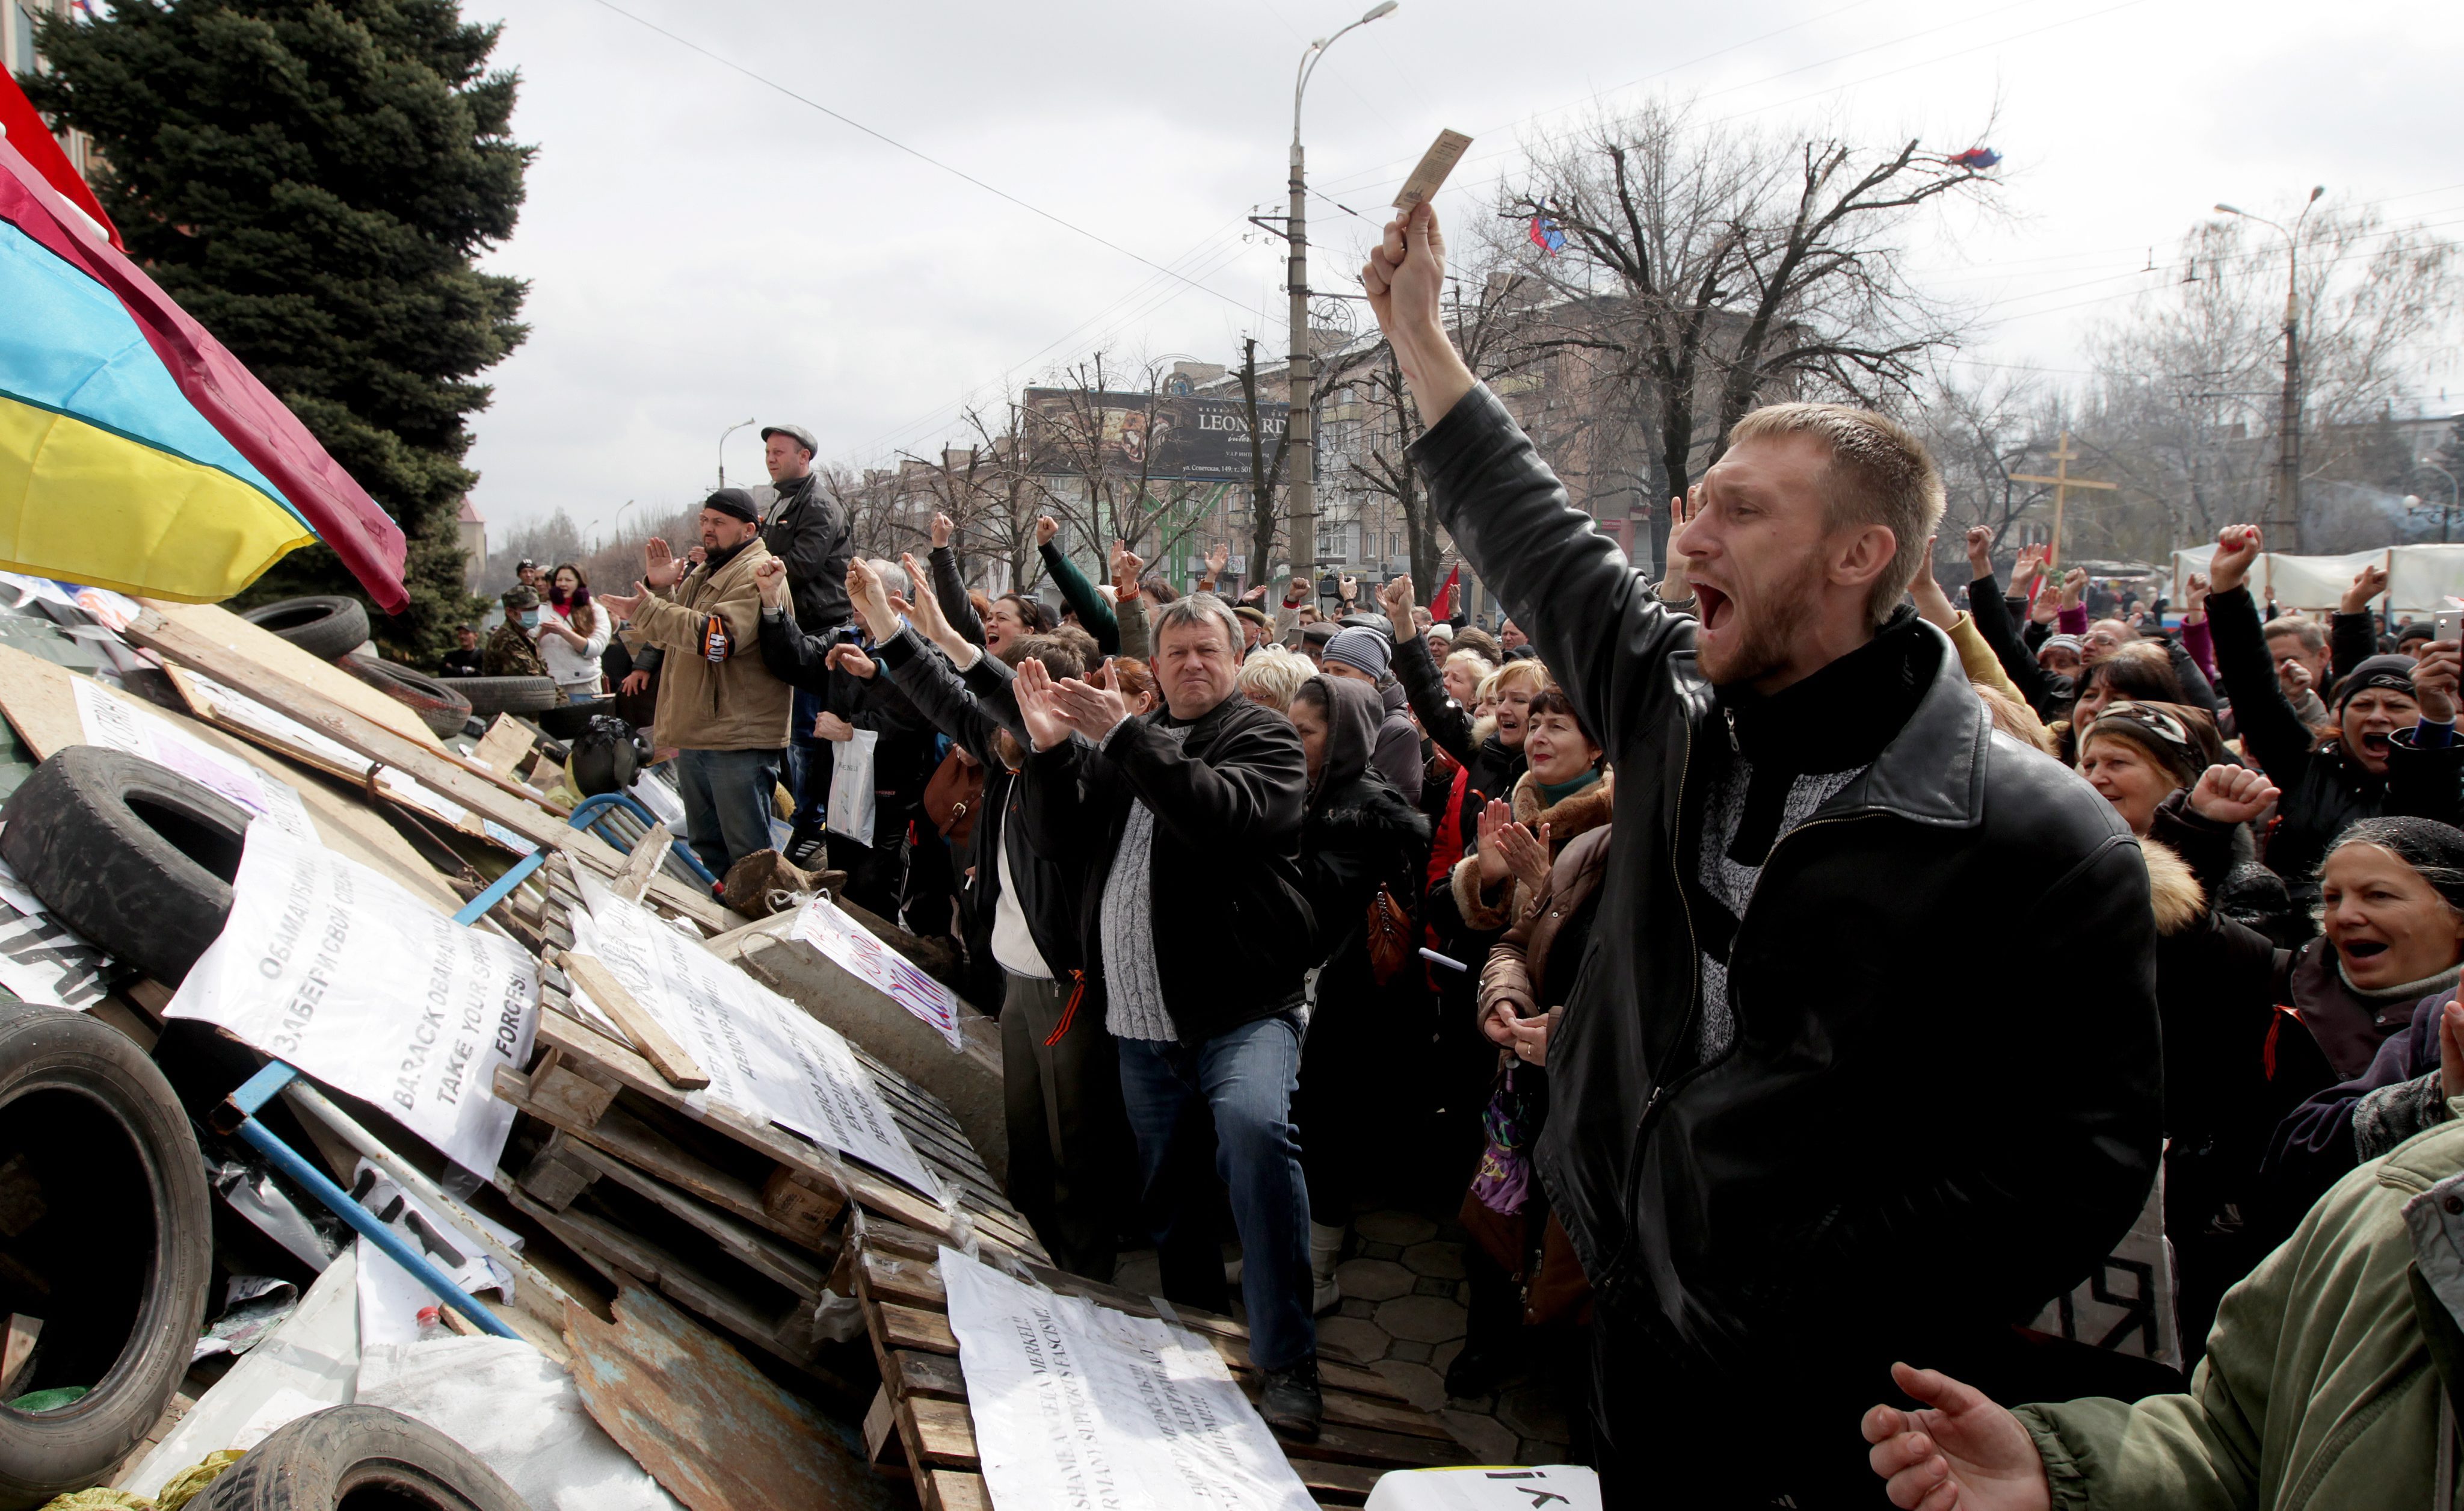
[
  {"x": 1264, "y": 475},
  {"x": 1106, "y": 450},
  {"x": 1713, "y": 265},
  {"x": 2187, "y": 384},
  {"x": 1980, "y": 435}
]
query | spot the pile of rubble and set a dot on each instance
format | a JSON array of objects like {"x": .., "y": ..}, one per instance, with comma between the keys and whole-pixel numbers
[{"x": 365, "y": 1123}]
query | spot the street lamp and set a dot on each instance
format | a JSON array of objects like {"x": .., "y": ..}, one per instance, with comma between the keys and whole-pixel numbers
[
  {"x": 2446, "y": 510},
  {"x": 1302, "y": 467},
  {"x": 2287, "y": 526},
  {"x": 722, "y": 449}
]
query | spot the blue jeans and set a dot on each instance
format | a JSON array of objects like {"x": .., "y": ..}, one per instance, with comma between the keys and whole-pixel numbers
[
  {"x": 727, "y": 798},
  {"x": 1245, "y": 1075},
  {"x": 809, "y": 762}
]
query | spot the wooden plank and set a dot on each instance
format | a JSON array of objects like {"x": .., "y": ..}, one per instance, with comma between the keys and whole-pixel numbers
[
  {"x": 877, "y": 1192},
  {"x": 945, "y": 1433},
  {"x": 41, "y": 700},
  {"x": 621, "y": 1134},
  {"x": 505, "y": 744},
  {"x": 706, "y": 1424},
  {"x": 263, "y": 648},
  {"x": 642, "y": 863},
  {"x": 955, "y": 1490},
  {"x": 744, "y": 1243},
  {"x": 648, "y": 1036},
  {"x": 905, "y": 1373},
  {"x": 19, "y": 1350},
  {"x": 495, "y": 797}
]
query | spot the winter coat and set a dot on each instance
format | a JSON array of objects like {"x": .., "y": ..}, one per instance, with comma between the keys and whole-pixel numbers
[
  {"x": 1047, "y": 890},
  {"x": 903, "y": 750},
  {"x": 1359, "y": 835},
  {"x": 1741, "y": 1213},
  {"x": 1575, "y": 815},
  {"x": 1397, "y": 751},
  {"x": 734, "y": 702},
  {"x": 575, "y": 668},
  {"x": 2320, "y": 1390},
  {"x": 1532, "y": 968},
  {"x": 2324, "y": 789},
  {"x": 1233, "y": 934},
  {"x": 810, "y": 531}
]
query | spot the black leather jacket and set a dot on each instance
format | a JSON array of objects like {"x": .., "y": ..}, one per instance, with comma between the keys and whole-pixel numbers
[
  {"x": 803, "y": 526},
  {"x": 1880, "y": 1127}
]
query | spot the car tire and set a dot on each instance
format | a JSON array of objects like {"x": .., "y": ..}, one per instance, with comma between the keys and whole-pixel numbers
[
  {"x": 491, "y": 696},
  {"x": 327, "y": 627},
  {"x": 94, "y": 1148},
  {"x": 362, "y": 1454},
  {"x": 439, "y": 705},
  {"x": 131, "y": 856}
]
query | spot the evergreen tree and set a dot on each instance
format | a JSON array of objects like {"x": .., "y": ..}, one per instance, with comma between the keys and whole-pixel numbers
[{"x": 312, "y": 179}]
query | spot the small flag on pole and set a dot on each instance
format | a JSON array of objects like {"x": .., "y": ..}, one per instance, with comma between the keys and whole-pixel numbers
[
  {"x": 1977, "y": 160},
  {"x": 1547, "y": 236},
  {"x": 1443, "y": 606}
]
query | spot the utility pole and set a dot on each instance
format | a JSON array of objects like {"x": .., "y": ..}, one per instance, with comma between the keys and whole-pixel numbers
[
  {"x": 722, "y": 449},
  {"x": 1297, "y": 432},
  {"x": 2284, "y": 512}
]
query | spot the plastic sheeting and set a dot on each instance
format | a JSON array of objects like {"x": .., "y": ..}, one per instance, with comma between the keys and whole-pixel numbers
[
  {"x": 513, "y": 1407},
  {"x": 2420, "y": 577}
]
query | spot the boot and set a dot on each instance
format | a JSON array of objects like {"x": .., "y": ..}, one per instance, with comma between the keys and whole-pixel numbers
[
  {"x": 1290, "y": 1402},
  {"x": 1325, "y": 1252}
]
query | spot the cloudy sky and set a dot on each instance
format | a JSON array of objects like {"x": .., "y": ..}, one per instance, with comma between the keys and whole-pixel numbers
[{"x": 705, "y": 247}]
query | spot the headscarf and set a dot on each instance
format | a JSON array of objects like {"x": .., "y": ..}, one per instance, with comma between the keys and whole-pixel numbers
[
  {"x": 2428, "y": 845},
  {"x": 2180, "y": 739},
  {"x": 2392, "y": 673},
  {"x": 1352, "y": 713}
]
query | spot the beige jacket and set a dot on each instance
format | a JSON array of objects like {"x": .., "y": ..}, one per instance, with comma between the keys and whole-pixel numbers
[{"x": 730, "y": 704}]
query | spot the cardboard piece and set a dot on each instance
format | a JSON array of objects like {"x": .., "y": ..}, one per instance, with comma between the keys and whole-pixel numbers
[{"x": 1431, "y": 175}]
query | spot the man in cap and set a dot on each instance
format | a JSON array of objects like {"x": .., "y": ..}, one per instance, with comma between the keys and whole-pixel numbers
[
  {"x": 1256, "y": 629},
  {"x": 510, "y": 650},
  {"x": 1362, "y": 654},
  {"x": 811, "y": 533},
  {"x": 720, "y": 708},
  {"x": 464, "y": 660},
  {"x": 1315, "y": 638}
]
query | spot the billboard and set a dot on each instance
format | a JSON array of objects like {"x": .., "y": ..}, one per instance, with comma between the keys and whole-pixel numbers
[{"x": 1163, "y": 435}]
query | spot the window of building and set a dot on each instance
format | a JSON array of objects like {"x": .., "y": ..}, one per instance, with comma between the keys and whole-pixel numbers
[{"x": 21, "y": 39}]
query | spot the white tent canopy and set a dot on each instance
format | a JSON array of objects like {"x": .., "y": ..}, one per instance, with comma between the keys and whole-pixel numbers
[{"x": 2420, "y": 578}]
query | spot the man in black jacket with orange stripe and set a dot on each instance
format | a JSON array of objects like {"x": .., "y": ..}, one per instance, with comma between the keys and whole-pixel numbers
[{"x": 1778, "y": 1107}]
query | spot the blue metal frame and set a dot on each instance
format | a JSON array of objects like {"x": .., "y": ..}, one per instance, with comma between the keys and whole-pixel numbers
[
  {"x": 263, "y": 1087},
  {"x": 502, "y": 887},
  {"x": 594, "y": 809}
]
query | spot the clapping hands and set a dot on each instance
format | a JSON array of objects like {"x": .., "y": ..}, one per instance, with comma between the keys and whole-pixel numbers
[{"x": 1052, "y": 710}]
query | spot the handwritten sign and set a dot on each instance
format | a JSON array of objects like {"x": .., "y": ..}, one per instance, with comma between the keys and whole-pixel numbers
[
  {"x": 119, "y": 725},
  {"x": 824, "y": 926}
]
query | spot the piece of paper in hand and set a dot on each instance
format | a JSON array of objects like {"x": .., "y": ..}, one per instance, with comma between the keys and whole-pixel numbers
[
  {"x": 1436, "y": 163},
  {"x": 343, "y": 973}
]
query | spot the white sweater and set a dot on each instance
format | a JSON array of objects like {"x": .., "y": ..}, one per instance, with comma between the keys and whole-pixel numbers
[{"x": 574, "y": 667}]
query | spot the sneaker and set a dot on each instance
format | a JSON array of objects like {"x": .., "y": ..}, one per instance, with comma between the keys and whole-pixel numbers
[
  {"x": 805, "y": 849},
  {"x": 1290, "y": 1402}
]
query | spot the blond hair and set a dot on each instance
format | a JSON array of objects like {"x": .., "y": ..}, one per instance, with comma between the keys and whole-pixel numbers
[
  {"x": 1525, "y": 670},
  {"x": 1273, "y": 674},
  {"x": 1483, "y": 663},
  {"x": 1879, "y": 473}
]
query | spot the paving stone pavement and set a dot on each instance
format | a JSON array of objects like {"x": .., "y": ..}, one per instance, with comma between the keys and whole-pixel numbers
[{"x": 1403, "y": 1314}]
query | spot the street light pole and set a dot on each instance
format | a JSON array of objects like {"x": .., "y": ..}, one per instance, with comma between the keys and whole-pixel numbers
[
  {"x": 2286, "y": 521},
  {"x": 722, "y": 449},
  {"x": 1302, "y": 466}
]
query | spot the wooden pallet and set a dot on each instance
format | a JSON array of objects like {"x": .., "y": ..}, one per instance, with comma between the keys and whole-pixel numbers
[{"x": 919, "y": 1426}]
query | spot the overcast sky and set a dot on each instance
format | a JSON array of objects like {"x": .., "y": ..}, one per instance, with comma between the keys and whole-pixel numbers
[{"x": 704, "y": 249}]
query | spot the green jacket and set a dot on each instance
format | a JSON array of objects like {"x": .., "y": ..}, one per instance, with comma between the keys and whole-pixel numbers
[{"x": 2318, "y": 1390}]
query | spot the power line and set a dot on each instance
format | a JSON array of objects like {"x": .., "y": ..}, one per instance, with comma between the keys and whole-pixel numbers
[{"x": 920, "y": 156}]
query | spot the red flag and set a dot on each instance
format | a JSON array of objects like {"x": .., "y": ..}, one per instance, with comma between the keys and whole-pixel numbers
[
  {"x": 1443, "y": 606},
  {"x": 24, "y": 128}
]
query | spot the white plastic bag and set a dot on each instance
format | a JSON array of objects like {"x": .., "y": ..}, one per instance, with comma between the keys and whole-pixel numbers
[{"x": 852, "y": 785}]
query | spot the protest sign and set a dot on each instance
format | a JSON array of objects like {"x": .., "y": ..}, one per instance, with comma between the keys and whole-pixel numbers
[
  {"x": 40, "y": 959},
  {"x": 1081, "y": 1408},
  {"x": 119, "y": 725},
  {"x": 765, "y": 1056},
  {"x": 824, "y": 926},
  {"x": 340, "y": 971}
]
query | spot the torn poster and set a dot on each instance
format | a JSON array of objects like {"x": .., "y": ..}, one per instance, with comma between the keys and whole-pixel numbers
[
  {"x": 340, "y": 972},
  {"x": 119, "y": 725},
  {"x": 1080, "y": 1407},
  {"x": 824, "y": 926},
  {"x": 765, "y": 1056},
  {"x": 40, "y": 959}
]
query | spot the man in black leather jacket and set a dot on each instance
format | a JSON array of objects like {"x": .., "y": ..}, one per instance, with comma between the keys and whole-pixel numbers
[{"x": 1804, "y": 1117}]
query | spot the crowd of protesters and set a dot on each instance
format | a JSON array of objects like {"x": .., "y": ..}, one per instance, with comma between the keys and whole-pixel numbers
[{"x": 1797, "y": 984}]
